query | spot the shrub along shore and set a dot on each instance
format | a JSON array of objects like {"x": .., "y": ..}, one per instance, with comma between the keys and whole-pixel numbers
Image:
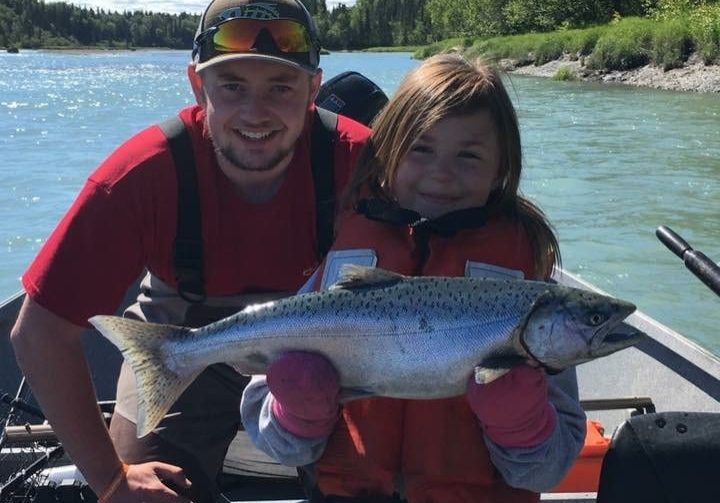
[{"x": 681, "y": 53}]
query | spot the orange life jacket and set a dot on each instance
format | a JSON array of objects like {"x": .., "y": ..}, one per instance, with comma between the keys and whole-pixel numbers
[{"x": 435, "y": 447}]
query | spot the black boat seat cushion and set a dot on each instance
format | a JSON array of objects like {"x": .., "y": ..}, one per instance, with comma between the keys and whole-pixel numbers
[{"x": 669, "y": 457}]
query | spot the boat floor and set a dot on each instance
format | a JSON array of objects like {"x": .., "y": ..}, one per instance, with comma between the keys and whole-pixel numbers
[
  {"x": 254, "y": 490},
  {"x": 555, "y": 498},
  {"x": 560, "y": 498}
]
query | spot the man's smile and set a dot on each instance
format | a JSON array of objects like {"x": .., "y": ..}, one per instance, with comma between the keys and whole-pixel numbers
[{"x": 255, "y": 136}]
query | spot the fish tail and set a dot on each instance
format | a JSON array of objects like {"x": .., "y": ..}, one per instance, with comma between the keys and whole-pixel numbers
[{"x": 141, "y": 343}]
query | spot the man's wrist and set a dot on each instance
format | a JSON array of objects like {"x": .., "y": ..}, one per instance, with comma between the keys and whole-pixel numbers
[{"x": 112, "y": 486}]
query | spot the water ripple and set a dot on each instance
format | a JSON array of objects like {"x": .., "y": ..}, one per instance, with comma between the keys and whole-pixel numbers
[{"x": 607, "y": 163}]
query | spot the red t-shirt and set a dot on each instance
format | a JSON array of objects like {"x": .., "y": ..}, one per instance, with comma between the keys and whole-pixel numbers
[{"x": 124, "y": 220}]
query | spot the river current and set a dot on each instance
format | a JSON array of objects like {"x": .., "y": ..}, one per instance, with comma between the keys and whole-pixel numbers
[{"x": 607, "y": 163}]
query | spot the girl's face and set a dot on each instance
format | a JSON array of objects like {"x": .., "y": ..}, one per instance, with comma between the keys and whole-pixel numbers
[{"x": 454, "y": 165}]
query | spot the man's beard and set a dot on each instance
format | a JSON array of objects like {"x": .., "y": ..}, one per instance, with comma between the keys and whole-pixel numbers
[{"x": 233, "y": 158}]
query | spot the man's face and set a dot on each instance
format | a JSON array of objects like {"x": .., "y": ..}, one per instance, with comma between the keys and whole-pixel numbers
[{"x": 255, "y": 112}]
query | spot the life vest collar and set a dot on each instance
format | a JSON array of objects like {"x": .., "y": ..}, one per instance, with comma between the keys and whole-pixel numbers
[{"x": 446, "y": 225}]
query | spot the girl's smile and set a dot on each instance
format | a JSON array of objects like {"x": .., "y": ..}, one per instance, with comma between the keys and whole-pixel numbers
[{"x": 453, "y": 165}]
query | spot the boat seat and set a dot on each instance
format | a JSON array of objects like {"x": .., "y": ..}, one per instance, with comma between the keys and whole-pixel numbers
[
  {"x": 667, "y": 457},
  {"x": 584, "y": 474}
]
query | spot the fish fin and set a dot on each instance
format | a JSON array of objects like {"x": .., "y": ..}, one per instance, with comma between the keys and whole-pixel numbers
[
  {"x": 348, "y": 394},
  {"x": 484, "y": 375},
  {"x": 141, "y": 343},
  {"x": 356, "y": 276},
  {"x": 497, "y": 366}
]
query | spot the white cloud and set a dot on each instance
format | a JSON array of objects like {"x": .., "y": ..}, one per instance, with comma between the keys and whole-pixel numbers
[{"x": 174, "y": 7}]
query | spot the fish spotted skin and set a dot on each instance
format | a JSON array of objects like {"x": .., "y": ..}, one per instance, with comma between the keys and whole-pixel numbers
[{"x": 386, "y": 335}]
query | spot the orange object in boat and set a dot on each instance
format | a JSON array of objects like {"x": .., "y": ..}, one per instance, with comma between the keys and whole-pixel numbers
[{"x": 584, "y": 475}]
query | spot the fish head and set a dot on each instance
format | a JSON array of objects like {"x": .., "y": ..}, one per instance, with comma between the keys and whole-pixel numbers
[{"x": 568, "y": 326}]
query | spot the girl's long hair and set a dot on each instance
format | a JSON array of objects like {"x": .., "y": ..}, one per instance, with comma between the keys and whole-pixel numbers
[{"x": 442, "y": 86}]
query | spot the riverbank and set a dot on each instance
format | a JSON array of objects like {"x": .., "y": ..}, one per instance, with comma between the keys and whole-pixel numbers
[{"x": 693, "y": 76}]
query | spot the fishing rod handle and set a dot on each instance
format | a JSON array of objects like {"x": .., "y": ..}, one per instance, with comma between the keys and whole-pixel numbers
[
  {"x": 673, "y": 241},
  {"x": 704, "y": 268}
]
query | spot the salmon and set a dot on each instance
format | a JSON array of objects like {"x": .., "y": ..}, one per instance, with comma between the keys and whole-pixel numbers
[{"x": 386, "y": 334}]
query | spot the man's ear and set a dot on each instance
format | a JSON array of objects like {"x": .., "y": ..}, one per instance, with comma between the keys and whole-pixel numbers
[
  {"x": 315, "y": 82},
  {"x": 196, "y": 84}
]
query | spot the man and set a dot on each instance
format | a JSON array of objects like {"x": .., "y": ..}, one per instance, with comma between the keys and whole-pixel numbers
[{"x": 254, "y": 74}]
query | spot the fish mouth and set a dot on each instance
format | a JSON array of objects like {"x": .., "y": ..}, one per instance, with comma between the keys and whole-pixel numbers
[
  {"x": 616, "y": 334},
  {"x": 623, "y": 334}
]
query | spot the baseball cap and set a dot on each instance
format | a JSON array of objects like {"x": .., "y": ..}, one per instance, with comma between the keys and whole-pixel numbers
[{"x": 275, "y": 30}]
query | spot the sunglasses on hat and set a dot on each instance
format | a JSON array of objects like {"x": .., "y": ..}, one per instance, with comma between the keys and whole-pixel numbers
[{"x": 290, "y": 40}]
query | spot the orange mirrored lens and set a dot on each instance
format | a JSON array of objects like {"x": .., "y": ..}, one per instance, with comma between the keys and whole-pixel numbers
[{"x": 239, "y": 35}]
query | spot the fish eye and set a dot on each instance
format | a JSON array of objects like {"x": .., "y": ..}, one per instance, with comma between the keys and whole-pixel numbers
[{"x": 596, "y": 319}]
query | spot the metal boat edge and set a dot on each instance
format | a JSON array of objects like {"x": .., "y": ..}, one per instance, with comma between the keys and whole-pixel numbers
[{"x": 671, "y": 371}]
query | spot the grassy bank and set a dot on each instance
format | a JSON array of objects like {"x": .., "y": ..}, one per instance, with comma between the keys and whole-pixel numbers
[
  {"x": 627, "y": 43},
  {"x": 399, "y": 48}
]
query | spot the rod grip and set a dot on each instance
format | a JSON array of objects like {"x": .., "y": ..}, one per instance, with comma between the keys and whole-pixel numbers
[
  {"x": 697, "y": 262},
  {"x": 673, "y": 241},
  {"x": 704, "y": 268}
]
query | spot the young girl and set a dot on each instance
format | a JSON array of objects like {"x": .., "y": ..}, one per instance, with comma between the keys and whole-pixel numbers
[{"x": 435, "y": 193}]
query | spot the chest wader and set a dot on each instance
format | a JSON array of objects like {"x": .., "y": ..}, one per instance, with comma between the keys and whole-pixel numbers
[{"x": 199, "y": 428}]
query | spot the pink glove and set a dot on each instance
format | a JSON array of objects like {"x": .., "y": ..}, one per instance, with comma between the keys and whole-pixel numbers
[
  {"x": 514, "y": 410},
  {"x": 305, "y": 389}
]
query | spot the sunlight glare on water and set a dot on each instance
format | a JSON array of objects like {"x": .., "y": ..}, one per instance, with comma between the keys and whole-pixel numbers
[{"x": 607, "y": 163}]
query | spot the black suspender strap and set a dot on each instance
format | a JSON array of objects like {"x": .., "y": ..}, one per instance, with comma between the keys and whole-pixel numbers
[
  {"x": 188, "y": 249},
  {"x": 322, "y": 157}
]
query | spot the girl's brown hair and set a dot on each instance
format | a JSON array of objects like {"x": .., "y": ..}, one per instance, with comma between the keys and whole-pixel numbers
[{"x": 442, "y": 86}]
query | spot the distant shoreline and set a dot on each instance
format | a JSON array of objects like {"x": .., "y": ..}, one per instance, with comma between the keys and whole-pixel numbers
[
  {"x": 694, "y": 76},
  {"x": 94, "y": 49}
]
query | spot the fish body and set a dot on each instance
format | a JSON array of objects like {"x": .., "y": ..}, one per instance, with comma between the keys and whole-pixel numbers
[{"x": 386, "y": 335}]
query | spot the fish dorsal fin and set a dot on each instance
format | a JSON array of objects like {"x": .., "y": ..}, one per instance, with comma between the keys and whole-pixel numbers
[{"x": 356, "y": 276}]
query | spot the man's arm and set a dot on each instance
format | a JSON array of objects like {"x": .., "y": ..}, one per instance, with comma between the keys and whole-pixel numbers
[{"x": 50, "y": 354}]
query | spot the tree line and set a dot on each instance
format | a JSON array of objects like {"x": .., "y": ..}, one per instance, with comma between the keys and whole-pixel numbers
[{"x": 367, "y": 23}]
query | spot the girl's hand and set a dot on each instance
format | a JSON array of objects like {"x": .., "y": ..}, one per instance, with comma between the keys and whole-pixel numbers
[
  {"x": 514, "y": 410},
  {"x": 304, "y": 389}
]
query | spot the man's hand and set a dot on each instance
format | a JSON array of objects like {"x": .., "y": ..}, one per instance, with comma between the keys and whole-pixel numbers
[
  {"x": 49, "y": 352},
  {"x": 514, "y": 410},
  {"x": 305, "y": 389},
  {"x": 152, "y": 482}
]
